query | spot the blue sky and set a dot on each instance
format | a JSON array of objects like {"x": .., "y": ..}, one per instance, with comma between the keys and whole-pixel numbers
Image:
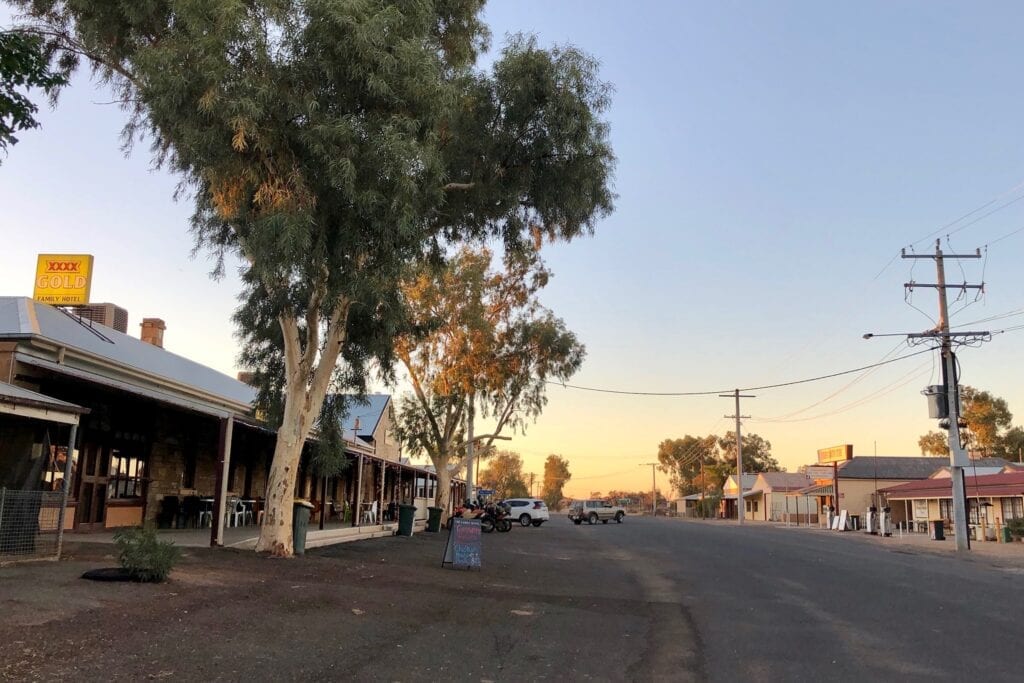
[{"x": 773, "y": 158}]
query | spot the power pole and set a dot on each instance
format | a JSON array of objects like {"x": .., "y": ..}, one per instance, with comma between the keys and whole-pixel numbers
[
  {"x": 654, "y": 488},
  {"x": 739, "y": 451},
  {"x": 958, "y": 458},
  {"x": 532, "y": 475}
]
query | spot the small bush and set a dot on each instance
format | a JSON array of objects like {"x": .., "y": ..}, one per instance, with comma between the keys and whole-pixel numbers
[
  {"x": 1016, "y": 527},
  {"x": 144, "y": 556}
]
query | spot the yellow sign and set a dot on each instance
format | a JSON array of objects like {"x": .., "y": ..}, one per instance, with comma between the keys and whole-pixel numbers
[
  {"x": 63, "y": 278},
  {"x": 836, "y": 453}
]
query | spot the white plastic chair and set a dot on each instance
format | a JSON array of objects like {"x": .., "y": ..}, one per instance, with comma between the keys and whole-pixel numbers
[
  {"x": 238, "y": 512},
  {"x": 370, "y": 515}
]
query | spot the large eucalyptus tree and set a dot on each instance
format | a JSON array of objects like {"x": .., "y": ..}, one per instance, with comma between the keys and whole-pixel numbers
[{"x": 328, "y": 144}]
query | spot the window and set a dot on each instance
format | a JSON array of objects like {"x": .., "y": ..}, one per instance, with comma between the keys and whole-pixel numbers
[
  {"x": 127, "y": 474},
  {"x": 946, "y": 509},
  {"x": 53, "y": 475},
  {"x": 1013, "y": 508}
]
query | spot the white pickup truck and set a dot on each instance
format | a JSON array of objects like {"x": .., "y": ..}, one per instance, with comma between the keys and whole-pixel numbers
[{"x": 592, "y": 511}]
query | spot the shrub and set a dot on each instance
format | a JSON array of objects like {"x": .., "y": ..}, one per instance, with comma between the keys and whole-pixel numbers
[
  {"x": 144, "y": 556},
  {"x": 1016, "y": 527}
]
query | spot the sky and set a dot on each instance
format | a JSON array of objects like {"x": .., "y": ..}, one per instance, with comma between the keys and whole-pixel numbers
[{"x": 773, "y": 160}]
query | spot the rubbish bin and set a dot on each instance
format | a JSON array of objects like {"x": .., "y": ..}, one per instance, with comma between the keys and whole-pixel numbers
[
  {"x": 1007, "y": 536},
  {"x": 406, "y": 515},
  {"x": 300, "y": 524},
  {"x": 434, "y": 519},
  {"x": 936, "y": 530}
]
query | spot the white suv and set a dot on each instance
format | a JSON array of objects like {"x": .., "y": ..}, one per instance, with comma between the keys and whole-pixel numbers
[{"x": 528, "y": 510}]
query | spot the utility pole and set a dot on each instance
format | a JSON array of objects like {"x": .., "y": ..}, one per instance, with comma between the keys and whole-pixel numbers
[
  {"x": 532, "y": 475},
  {"x": 958, "y": 458},
  {"x": 739, "y": 451},
  {"x": 654, "y": 488}
]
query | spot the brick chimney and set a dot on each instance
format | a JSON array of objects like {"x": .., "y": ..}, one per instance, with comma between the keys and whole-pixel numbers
[
  {"x": 247, "y": 378},
  {"x": 153, "y": 331}
]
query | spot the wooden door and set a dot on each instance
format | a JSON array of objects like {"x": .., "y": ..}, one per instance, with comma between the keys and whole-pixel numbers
[{"x": 92, "y": 492}]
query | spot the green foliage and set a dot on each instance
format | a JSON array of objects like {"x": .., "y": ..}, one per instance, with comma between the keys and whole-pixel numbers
[
  {"x": 934, "y": 443},
  {"x": 985, "y": 415},
  {"x": 328, "y": 451},
  {"x": 682, "y": 458},
  {"x": 478, "y": 332},
  {"x": 504, "y": 474},
  {"x": 1016, "y": 527},
  {"x": 25, "y": 63},
  {"x": 144, "y": 556},
  {"x": 330, "y": 144},
  {"x": 556, "y": 475},
  {"x": 707, "y": 508},
  {"x": 988, "y": 429}
]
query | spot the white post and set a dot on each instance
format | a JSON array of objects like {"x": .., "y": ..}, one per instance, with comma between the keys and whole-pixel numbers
[{"x": 220, "y": 507}]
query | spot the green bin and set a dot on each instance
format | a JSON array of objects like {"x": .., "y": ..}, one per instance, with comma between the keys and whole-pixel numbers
[
  {"x": 1007, "y": 536},
  {"x": 406, "y": 515},
  {"x": 434, "y": 519},
  {"x": 300, "y": 525}
]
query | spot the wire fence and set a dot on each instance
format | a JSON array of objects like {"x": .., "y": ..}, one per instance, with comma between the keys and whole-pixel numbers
[{"x": 29, "y": 524}]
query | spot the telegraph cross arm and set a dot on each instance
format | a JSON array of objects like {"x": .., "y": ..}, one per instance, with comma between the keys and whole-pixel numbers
[
  {"x": 912, "y": 285},
  {"x": 976, "y": 254}
]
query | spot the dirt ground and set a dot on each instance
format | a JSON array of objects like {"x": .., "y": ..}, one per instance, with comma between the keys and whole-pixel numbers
[{"x": 382, "y": 609}]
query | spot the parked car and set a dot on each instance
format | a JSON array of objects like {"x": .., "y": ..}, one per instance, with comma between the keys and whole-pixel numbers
[
  {"x": 528, "y": 510},
  {"x": 592, "y": 511}
]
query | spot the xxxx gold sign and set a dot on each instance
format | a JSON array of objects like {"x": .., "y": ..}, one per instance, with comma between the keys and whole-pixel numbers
[{"x": 63, "y": 278}]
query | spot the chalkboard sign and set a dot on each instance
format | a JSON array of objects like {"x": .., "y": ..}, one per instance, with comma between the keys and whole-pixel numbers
[{"x": 463, "y": 547}]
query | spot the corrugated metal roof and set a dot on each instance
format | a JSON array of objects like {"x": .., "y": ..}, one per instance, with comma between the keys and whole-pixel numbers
[
  {"x": 889, "y": 467},
  {"x": 819, "y": 490},
  {"x": 748, "y": 481},
  {"x": 782, "y": 481},
  {"x": 22, "y": 318},
  {"x": 1006, "y": 484},
  {"x": 20, "y": 395},
  {"x": 369, "y": 412}
]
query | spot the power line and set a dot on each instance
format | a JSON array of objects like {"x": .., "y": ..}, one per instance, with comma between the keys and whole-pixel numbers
[
  {"x": 841, "y": 389},
  {"x": 884, "y": 391},
  {"x": 720, "y": 391},
  {"x": 967, "y": 215}
]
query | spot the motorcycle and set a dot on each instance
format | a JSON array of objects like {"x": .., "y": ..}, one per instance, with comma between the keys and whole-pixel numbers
[
  {"x": 497, "y": 516},
  {"x": 468, "y": 510},
  {"x": 492, "y": 517}
]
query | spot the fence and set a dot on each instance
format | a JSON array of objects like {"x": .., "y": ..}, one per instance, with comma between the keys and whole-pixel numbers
[{"x": 29, "y": 525}]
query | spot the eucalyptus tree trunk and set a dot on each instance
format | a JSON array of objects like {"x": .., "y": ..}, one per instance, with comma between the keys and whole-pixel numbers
[
  {"x": 308, "y": 372},
  {"x": 444, "y": 486}
]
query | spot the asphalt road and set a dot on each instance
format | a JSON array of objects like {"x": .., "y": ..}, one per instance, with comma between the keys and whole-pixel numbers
[
  {"x": 659, "y": 599},
  {"x": 775, "y": 604}
]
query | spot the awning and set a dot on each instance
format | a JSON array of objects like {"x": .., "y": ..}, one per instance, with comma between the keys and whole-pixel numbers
[
  {"x": 151, "y": 393},
  {"x": 15, "y": 400},
  {"x": 820, "y": 490}
]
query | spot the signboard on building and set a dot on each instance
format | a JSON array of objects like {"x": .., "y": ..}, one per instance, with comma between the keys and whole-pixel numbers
[
  {"x": 836, "y": 453},
  {"x": 63, "y": 279}
]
